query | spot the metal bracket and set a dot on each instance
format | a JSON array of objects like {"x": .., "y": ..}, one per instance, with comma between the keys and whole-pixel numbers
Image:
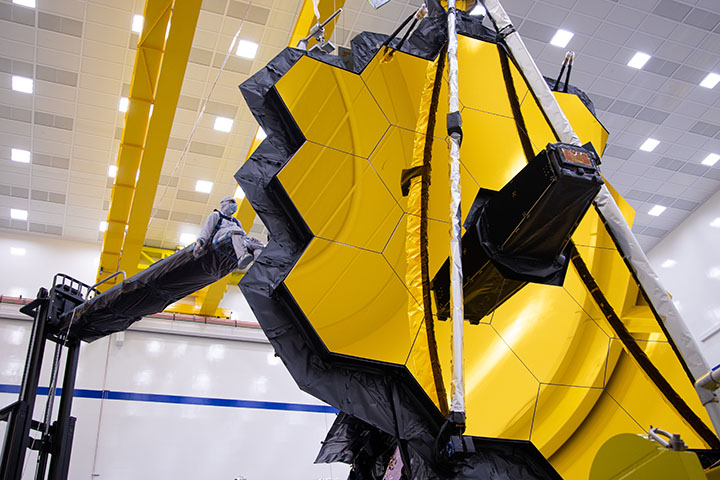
[
  {"x": 318, "y": 33},
  {"x": 674, "y": 441}
]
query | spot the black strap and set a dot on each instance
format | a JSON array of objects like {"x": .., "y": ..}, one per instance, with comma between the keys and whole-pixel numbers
[
  {"x": 408, "y": 174},
  {"x": 220, "y": 219},
  {"x": 640, "y": 357},
  {"x": 424, "y": 255},
  {"x": 567, "y": 76},
  {"x": 559, "y": 77},
  {"x": 505, "y": 31},
  {"x": 515, "y": 104}
]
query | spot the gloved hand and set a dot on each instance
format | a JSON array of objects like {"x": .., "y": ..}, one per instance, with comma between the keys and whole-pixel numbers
[{"x": 199, "y": 247}]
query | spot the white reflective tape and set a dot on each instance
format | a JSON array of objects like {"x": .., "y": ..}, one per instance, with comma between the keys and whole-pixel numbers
[{"x": 456, "y": 275}]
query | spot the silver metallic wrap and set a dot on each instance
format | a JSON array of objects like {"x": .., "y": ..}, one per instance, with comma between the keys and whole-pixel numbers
[
  {"x": 456, "y": 275},
  {"x": 628, "y": 245}
]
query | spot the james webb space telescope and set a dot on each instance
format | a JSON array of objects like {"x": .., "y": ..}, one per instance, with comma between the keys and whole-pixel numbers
[{"x": 521, "y": 233}]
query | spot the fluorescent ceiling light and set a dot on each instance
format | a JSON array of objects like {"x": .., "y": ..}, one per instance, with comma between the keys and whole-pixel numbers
[
  {"x": 17, "y": 214},
  {"x": 20, "y": 156},
  {"x": 711, "y": 159},
  {"x": 187, "y": 238},
  {"x": 649, "y": 145},
  {"x": 103, "y": 226},
  {"x": 239, "y": 193},
  {"x": 715, "y": 223},
  {"x": 22, "y": 84},
  {"x": 25, "y": 3},
  {"x": 562, "y": 38},
  {"x": 669, "y": 263},
  {"x": 478, "y": 10},
  {"x": 203, "y": 186},
  {"x": 710, "y": 81},
  {"x": 657, "y": 210},
  {"x": 714, "y": 273},
  {"x": 261, "y": 135},
  {"x": 137, "y": 23},
  {"x": 112, "y": 171},
  {"x": 123, "y": 105},
  {"x": 223, "y": 124},
  {"x": 246, "y": 49},
  {"x": 638, "y": 60},
  {"x": 17, "y": 251}
]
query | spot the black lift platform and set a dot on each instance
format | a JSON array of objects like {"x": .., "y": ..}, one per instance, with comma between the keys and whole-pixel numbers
[{"x": 72, "y": 312}]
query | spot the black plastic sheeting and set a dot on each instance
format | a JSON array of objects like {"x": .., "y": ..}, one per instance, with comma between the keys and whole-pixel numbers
[
  {"x": 150, "y": 291},
  {"x": 368, "y": 451},
  {"x": 384, "y": 396},
  {"x": 356, "y": 443}
]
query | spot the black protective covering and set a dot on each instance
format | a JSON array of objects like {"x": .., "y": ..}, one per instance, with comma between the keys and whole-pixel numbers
[
  {"x": 150, "y": 291},
  {"x": 385, "y": 397},
  {"x": 356, "y": 443},
  {"x": 521, "y": 233},
  {"x": 368, "y": 450}
]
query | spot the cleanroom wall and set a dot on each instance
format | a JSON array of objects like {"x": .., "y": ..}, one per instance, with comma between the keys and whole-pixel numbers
[
  {"x": 28, "y": 262},
  {"x": 687, "y": 261},
  {"x": 180, "y": 405}
]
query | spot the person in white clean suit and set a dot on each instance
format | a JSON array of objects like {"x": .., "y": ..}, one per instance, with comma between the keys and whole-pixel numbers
[{"x": 220, "y": 223}]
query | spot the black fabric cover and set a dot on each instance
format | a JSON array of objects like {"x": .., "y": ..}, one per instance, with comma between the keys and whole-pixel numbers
[
  {"x": 150, "y": 291},
  {"x": 357, "y": 443},
  {"x": 386, "y": 397},
  {"x": 368, "y": 450}
]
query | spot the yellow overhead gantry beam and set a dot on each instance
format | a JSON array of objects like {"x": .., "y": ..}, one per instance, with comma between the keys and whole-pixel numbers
[
  {"x": 245, "y": 213},
  {"x": 157, "y": 78},
  {"x": 154, "y": 90}
]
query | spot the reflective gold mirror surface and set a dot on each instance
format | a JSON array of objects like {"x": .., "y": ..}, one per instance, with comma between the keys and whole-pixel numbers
[{"x": 545, "y": 366}]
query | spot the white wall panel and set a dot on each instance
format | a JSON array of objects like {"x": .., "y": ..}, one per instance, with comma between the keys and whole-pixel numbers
[
  {"x": 261, "y": 436},
  {"x": 44, "y": 257},
  {"x": 151, "y": 440},
  {"x": 688, "y": 263}
]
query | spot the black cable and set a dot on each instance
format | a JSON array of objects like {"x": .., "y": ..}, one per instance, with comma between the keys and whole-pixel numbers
[
  {"x": 562, "y": 70},
  {"x": 569, "y": 70},
  {"x": 515, "y": 103},
  {"x": 639, "y": 355},
  {"x": 424, "y": 253},
  {"x": 407, "y": 34},
  {"x": 394, "y": 34}
]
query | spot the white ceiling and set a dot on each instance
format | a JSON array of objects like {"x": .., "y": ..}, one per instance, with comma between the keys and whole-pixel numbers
[{"x": 81, "y": 55}]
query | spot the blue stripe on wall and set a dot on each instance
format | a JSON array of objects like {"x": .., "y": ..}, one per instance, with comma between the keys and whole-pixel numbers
[{"x": 181, "y": 399}]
